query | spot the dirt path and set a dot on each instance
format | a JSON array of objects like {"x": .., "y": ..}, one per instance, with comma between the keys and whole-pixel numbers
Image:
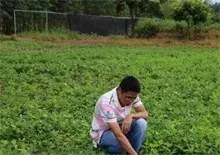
[{"x": 210, "y": 41}]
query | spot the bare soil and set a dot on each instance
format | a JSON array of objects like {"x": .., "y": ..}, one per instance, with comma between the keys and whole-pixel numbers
[{"x": 212, "y": 39}]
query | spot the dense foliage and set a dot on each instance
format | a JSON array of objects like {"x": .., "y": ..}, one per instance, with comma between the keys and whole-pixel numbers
[
  {"x": 216, "y": 9},
  {"x": 192, "y": 11},
  {"x": 48, "y": 91},
  {"x": 149, "y": 27}
]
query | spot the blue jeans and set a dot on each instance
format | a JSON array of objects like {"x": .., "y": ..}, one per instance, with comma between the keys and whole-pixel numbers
[{"x": 136, "y": 136}]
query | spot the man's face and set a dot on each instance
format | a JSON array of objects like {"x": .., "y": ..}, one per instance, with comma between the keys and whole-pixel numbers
[{"x": 127, "y": 98}]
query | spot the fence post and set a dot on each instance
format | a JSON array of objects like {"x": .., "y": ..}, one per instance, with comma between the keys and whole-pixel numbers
[
  {"x": 46, "y": 24},
  {"x": 15, "y": 27}
]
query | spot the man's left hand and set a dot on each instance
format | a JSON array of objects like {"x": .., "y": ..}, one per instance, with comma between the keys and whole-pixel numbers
[{"x": 126, "y": 124}]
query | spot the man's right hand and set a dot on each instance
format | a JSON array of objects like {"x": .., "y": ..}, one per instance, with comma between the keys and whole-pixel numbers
[{"x": 121, "y": 138}]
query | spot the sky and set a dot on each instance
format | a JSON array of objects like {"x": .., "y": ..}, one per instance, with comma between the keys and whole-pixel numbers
[{"x": 214, "y": 1}]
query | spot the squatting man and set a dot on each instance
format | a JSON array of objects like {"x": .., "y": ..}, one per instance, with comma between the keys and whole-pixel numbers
[{"x": 114, "y": 127}]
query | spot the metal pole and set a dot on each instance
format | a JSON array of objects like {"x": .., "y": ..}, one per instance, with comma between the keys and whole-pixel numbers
[
  {"x": 40, "y": 11},
  {"x": 15, "y": 28},
  {"x": 46, "y": 21}
]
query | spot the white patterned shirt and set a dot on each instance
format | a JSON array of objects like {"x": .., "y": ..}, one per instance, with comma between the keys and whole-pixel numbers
[{"x": 108, "y": 109}]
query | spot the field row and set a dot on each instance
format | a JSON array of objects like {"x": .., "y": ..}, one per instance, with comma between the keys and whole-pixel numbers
[{"x": 48, "y": 92}]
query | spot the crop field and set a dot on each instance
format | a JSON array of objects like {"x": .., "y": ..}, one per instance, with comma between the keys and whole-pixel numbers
[{"x": 48, "y": 92}]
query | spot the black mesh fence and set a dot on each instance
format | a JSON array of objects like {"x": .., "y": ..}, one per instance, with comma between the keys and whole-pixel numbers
[
  {"x": 38, "y": 21},
  {"x": 59, "y": 21},
  {"x": 101, "y": 25},
  {"x": 30, "y": 21}
]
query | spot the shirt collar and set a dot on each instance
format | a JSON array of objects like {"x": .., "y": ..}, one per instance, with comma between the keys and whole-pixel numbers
[{"x": 115, "y": 97}]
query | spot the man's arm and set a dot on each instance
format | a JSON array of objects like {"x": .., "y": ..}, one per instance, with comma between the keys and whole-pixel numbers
[
  {"x": 121, "y": 137},
  {"x": 141, "y": 112}
]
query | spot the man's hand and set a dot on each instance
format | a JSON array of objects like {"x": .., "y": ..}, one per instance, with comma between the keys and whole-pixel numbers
[
  {"x": 126, "y": 124},
  {"x": 121, "y": 138}
]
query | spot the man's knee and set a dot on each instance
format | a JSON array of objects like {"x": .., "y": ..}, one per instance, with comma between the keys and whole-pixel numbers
[
  {"x": 141, "y": 123},
  {"x": 110, "y": 143},
  {"x": 114, "y": 148}
]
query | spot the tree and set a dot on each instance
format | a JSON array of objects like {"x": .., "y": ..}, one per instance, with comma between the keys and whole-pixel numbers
[
  {"x": 66, "y": 6},
  {"x": 193, "y": 12},
  {"x": 216, "y": 12},
  {"x": 167, "y": 8},
  {"x": 153, "y": 9},
  {"x": 120, "y": 6},
  {"x": 41, "y": 5},
  {"x": 7, "y": 8},
  {"x": 136, "y": 7},
  {"x": 94, "y": 7}
]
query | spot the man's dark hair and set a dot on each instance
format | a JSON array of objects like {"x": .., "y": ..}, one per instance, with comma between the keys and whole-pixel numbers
[{"x": 130, "y": 83}]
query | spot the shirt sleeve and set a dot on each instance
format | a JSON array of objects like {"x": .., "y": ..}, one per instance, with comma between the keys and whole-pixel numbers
[
  {"x": 137, "y": 102},
  {"x": 107, "y": 112}
]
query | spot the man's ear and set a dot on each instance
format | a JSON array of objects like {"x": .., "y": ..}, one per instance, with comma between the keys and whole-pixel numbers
[{"x": 119, "y": 91}]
